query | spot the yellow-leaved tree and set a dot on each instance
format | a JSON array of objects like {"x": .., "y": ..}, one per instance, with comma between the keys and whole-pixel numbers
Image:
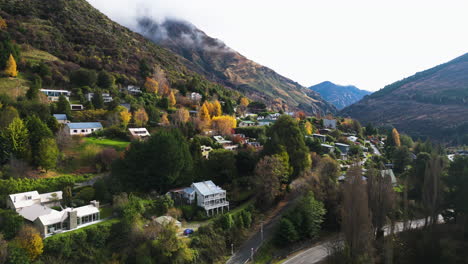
[
  {"x": 172, "y": 100},
  {"x": 10, "y": 69},
  {"x": 396, "y": 137},
  {"x": 308, "y": 128},
  {"x": 244, "y": 101},
  {"x": 151, "y": 85},
  {"x": 164, "y": 120},
  {"x": 224, "y": 124},
  {"x": 140, "y": 117},
  {"x": 204, "y": 114},
  {"x": 31, "y": 241},
  {"x": 3, "y": 24},
  {"x": 125, "y": 117},
  {"x": 217, "y": 111}
]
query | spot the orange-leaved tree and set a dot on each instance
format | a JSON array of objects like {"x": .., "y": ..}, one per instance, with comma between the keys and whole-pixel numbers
[
  {"x": 10, "y": 69},
  {"x": 172, "y": 100},
  {"x": 217, "y": 111},
  {"x": 140, "y": 117},
  {"x": 151, "y": 85},
  {"x": 308, "y": 128},
  {"x": 204, "y": 114},
  {"x": 224, "y": 124},
  {"x": 396, "y": 137},
  {"x": 125, "y": 116}
]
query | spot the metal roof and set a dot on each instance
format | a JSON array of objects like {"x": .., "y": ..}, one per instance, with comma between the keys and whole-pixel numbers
[
  {"x": 84, "y": 125},
  {"x": 207, "y": 187},
  {"x": 60, "y": 116}
]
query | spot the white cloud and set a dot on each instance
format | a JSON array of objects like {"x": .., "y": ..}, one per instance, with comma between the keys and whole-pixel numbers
[{"x": 367, "y": 43}]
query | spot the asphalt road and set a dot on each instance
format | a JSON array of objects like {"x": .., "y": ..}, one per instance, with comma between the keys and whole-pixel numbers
[{"x": 320, "y": 251}]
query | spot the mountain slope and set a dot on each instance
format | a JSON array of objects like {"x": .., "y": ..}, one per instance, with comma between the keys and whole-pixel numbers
[
  {"x": 340, "y": 96},
  {"x": 81, "y": 36},
  {"x": 432, "y": 103},
  {"x": 220, "y": 63}
]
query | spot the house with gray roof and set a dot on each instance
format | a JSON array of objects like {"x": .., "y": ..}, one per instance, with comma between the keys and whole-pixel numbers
[
  {"x": 210, "y": 197},
  {"x": 39, "y": 210},
  {"x": 61, "y": 118},
  {"x": 83, "y": 128}
]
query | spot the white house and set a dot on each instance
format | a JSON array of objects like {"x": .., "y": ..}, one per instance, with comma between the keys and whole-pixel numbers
[
  {"x": 83, "y": 128},
  {"x": 135, "y": 90},
  {"x": 53, "y": 95},
  {"x": 344, "y": 148},
  {"x": 36, "y": 208},
  {"x": 322, "y": 138},
  {"x": 76, "y": 107},
  {"x": 196, "y": 97},
  {"x": 329, "y": 123},
  {"x": 328, "y": 148},
  {"x": 61, "y": 118},
  {"x": 210, "y": 197},
  {"x": 246, "y": 124},
  {"x": 139, "y": 133},
  {"x": 106, "y": 97}
]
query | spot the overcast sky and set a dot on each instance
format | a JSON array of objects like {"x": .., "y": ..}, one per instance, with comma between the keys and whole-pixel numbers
[{"x": 367, "y": 43}]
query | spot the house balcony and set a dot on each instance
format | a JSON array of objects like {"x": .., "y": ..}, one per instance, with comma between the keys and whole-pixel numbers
[{"x": 210, "y": 206}]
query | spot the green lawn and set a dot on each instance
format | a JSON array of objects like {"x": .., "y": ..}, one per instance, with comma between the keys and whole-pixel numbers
[{"x": 117, "y": 144}]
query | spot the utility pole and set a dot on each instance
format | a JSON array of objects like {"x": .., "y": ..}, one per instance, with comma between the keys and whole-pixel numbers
[
  {"x": 232, "y": 249},
  {"x": 251, "y": 254}
]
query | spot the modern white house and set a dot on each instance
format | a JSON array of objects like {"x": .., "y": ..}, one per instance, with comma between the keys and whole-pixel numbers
[
  {"x": 53, "y": 95},
  {"x": 329, "y": 123},
  {"x": 107, "y": 98},
  {"x": 139, "y": 133},
  {"x": 209, "y": 196},
  {"x": 344, "y": 148},
  {"x": 61, "y": 118},
  {"x": 76, "y": 107},
  {"x": 83, "y": 128},
  {"x": 322, "y": 138},
  {"x": 37, "y": 209},
  {"x": 246, "y": 123},
  {"x": 196, "y": 97},
  {"x": 135, "y": 90}
]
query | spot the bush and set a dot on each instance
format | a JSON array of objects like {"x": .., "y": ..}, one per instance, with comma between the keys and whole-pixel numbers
[{"x": 86, "y": 194}]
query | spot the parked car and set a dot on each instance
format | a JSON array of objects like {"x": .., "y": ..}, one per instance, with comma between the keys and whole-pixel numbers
[{"x": 188, "y": 232}]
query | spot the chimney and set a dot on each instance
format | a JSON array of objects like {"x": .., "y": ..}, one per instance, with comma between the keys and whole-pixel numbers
[{"x": 95, "y": 203}]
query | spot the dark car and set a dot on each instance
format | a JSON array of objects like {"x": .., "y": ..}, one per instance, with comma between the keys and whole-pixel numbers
[{"x": 188, "y": 232}]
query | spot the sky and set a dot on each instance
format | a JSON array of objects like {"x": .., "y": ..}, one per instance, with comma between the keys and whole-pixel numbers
[{"x": 367, "y": 43}]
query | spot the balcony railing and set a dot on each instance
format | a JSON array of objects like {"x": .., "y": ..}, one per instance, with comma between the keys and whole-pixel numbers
[{"x": 216, "y": 205}]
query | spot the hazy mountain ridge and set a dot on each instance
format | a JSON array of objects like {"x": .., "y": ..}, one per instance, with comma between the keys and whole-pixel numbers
[
  {"x": 432, "y": 103},
  {"x": 339, "y": 95},
  {"x": 218, "y": 62}
]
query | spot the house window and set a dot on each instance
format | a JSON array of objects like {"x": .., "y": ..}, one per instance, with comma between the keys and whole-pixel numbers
[
  {"x": 75, "y": 131},
  {"x": 82, "y": 130},
  {"x": 92, "y": 129}
]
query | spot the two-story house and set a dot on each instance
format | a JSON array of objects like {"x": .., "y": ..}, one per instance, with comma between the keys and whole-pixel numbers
[{"x": 210, "y": 197}]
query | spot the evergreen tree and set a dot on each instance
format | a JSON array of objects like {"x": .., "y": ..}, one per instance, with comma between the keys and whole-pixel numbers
[
  {"x": 38, "y": 131},
  {"x": 10, "y": 69},
  {"x": 17, "y": 139},
  {"x": 97, "y": 100},
  {"x": 47, "y": 153},
  {"x": 228, "y": 109},
  {"x": 63, "y": 106},
  {"x": 33, "y": 91},
  {"x": 105, "y": 80}
]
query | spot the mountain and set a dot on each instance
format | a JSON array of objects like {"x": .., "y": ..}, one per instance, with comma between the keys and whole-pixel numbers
[
  {"x": 218, "y": 62},
  {"x": 432, "y": 103},
  {"x": 78, "y": 35},
  {"x": 340, "y": 96}
]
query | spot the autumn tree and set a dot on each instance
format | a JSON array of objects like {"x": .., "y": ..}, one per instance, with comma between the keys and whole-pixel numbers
[
  {"x": 268, "y": 174},
  {"x": 3, "y": 24},
  {"x": 243, "y": 103},
  {"x": 47, "y": 153},
  {"x": 10, "y": 69},
  {"x": 224, "y": 124},
  {"x": 181, "y": 116},
  {"x": 164, "y": 120},
  {"x": 309, "y": 129},
  {"x": 151, "y": 85},
  {"x": 124, "y": 115},
  {"x": 140, "y": 117},
  {"x": 356, "y": 217},
  {"x": 396, "y": 137},
  {"x": 30, "y": 240},
  {"x": 217, "y": 111},
  {"x": 172, "y": 99},
  {"x": 204, "y": 114}
]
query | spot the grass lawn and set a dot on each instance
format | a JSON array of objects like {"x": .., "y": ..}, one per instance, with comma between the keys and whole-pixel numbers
[{"x": 117, "y": 144}]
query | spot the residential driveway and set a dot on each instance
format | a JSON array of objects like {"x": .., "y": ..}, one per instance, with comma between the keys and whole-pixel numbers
[{"x": 320, "y": 251}]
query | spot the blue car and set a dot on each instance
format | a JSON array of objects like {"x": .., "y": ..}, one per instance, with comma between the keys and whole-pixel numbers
[{"x": 188, "y": 232}]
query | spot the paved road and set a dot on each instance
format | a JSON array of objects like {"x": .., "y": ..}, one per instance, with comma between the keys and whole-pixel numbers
[
  {"x": 320, "y": 251},
  {"x": 255, "y": 241}
]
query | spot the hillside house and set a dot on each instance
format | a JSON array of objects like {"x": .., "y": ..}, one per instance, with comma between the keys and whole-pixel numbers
[
  {"x": 327, "y": 148},
  {"x": 246, "y": 124},
  {"x": 205, "y": 150},
  {"x": 166, "y": 220},
  {"x": 107, "y": 98},
  {"x": 61, "y": 118},
  {"x": 37, "y": 209},
  {"x": 344, "y": 148},
  {"x": 195, "y": 97},
  {"x": 134, "y": 90},
  {"x": 140, "y": 133},
  {"x": 83, "y": 128},
  {"x": 210, "y": 197},
  {"x": 53, "y": 95},
  {"x": 322, "y": 138},
  {"x": 329, "y": 123},
  {"x": 76, "y": 107}
]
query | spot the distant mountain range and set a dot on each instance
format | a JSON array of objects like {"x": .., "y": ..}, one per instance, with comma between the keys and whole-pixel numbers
[
  {"x": 339, "y": 95},
  {"x": 432, "y": 103},
  {"x": 218, "y": 62}
]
